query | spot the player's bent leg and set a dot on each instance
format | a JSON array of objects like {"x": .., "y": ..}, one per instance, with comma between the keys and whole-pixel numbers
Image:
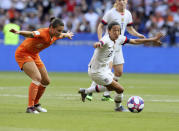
[
  {"x": 31, "y": 70},
  {"x": 106, "y": 96},
  {"x": 119, "y": 96},
  {"x": 115, "y": 86},
  {"x": 85, "y": 92},
  {"x": 41, "y": 89},
  {"x": 44, "y": 74}
]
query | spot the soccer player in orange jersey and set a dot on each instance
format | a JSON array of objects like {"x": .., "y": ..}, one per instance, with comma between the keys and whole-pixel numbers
[{"x": 28, "y": 59}]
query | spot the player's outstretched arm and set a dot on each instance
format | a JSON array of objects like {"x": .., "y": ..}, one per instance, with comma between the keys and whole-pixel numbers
[
  {"x": 100, "y": 31},
  {"x": 133, "y": 32},
  {"x": 23, "y": 33},
  {"x": 98, "y": 45},
  {"x": 155, "y": 39},
  {"x": 68, "y": 35}
]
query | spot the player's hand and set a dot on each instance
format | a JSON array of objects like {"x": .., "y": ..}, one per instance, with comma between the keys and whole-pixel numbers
[
  {"x": 157, "y": 43},
  {"x": 69, "y": 34},
  {"x": 14, "y": 31},
  {"x": 97, "y": 44},
  {"x": 141, "y": 36},
  {"x": 158, "y": 36}
]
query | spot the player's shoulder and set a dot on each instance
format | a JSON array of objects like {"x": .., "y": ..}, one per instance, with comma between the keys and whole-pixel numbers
[
  {"x": 121, "y": 38},
  {"x": 112, "y": 10},
  {"x": 105, "y": 38},
  {"x": 42, "y": 31},
  {"x": 127, "y": 12}
]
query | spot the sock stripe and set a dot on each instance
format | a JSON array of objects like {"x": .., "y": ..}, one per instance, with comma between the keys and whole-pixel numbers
[
  {"x": 36, "y": 82},
  {"x": 97, "y": 88}
]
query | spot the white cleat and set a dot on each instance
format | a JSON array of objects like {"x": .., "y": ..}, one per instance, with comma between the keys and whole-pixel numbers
[
  {"x": 121, "y": 109},
  {"x": 39, "y": 108},
  {"x": 32, "y": 110}
]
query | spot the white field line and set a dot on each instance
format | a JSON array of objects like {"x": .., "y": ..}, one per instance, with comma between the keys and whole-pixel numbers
[
  {"x": 74, "y": 96},
  {"x": 12, "y": 87},
  {"x": 165, "y": 101}
]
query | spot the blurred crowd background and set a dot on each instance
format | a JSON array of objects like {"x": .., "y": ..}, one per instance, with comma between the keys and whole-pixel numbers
[{"x": 149, "y": 16}]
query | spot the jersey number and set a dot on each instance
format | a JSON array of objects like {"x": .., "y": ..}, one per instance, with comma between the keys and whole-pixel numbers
[{"x": 110, "y": 54}]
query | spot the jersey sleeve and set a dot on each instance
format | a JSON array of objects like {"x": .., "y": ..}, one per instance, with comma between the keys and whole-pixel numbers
[
  {"x": 103, "y": 41},
  {"x": 106, "y": 18},
  {"x": 60, "y": 37},
  {"x": 130, "y": 21},
  {"x": 37, "y": 33},
  {"x": 122, "y": 40}
]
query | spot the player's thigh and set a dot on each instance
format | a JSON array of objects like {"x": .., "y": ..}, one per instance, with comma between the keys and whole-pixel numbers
[
  {"x": 118, "y": 69},
  {"x": 44, "y": 74},
  {"x": 118, "y": 57},
  {"x": 32, "y": 71},
  {"x": 38, "y": 61},
  {"x": 115, "y": 86},
  {"x": 102, "y": 78},
  {"x": 111, "y": 65}
]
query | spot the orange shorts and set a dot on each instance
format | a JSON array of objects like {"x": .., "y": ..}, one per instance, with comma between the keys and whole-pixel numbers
[{"x": 22, "y": 57}]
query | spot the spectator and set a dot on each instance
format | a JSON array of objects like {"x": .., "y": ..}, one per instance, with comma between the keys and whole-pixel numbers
[
  {"x": 10, "y": 38},
  {"x": 83, "y": 17},
  {"x": 92, "y": 17},
  {"x": 172, "y": 30}
]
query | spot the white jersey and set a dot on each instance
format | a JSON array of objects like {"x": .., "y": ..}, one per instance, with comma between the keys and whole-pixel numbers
[
  {"x": 123, "y": 19},
  {"x": 103, "y": 56}
]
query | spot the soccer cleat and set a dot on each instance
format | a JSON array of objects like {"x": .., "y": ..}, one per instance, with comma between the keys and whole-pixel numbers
[
  {"x": 31, "y": 110},
  {"x": 121, "y": 109},
  {"x": 107, "y": 98},
  {"x": 83, "y": 95},
  {"x": 39, "y": 108},
  {"x": 89, "y": 97}
]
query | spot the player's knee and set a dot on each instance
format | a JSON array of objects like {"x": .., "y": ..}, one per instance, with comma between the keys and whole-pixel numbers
[
  {"x": 37, "y": 78},
  {"x": 45, "y": 81},
  {"x": 118, "y": 74},
  {"x": 120, "y": 90}
]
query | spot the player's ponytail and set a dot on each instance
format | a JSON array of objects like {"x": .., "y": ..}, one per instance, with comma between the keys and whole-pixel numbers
[
  {"x": 51, "y": 19},
  {"x": 54, "y": 22}
]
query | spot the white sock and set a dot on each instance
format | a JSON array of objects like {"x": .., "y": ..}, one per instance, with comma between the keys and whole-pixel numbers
[
  {"x": 95, "y": 88},
  {"x": 116, "y": 78},
  {"x": 106, "y": 93},
  {"x": 118, "y": 99}
]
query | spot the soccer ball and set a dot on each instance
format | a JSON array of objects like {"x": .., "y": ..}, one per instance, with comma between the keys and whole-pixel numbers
[{"x": 135, "y": 104}]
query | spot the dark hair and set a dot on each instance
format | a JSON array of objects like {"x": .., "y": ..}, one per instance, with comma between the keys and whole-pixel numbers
[
  {"x": 113, "y": 23},
  {"x": 12, "y": 20},
  {"x": 54, "y": 22}
]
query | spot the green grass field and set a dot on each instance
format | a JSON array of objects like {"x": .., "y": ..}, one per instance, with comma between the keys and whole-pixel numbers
[{"x": 67, "y": 113}]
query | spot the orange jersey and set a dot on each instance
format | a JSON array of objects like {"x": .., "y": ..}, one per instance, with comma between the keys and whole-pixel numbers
[
  {"x": 40, "y": 41},
  {"x": 29, "y": 49}
]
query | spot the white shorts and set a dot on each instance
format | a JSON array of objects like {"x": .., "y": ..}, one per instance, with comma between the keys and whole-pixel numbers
[
  {"x": 102, "y": 78},
  {"x": 118, "y": 56}
]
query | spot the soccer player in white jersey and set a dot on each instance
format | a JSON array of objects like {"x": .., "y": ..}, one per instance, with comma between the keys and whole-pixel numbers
[
  {"x": 99, "y": 70},
  {"x": 120, "y": 14}
]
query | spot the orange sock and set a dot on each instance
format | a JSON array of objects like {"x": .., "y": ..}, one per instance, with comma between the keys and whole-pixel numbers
[
  {"x": 33, "y": 89},
  {"x": 41, "y": 90}
]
